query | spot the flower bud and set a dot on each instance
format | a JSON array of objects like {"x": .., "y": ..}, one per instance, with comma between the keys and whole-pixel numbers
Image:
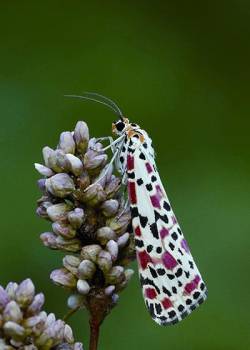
[
  {"x": 120, "y": 224},
  {"x": 113, "y": 186},
  {"x": 81, "y": 136},
  {"x": 109, "y": 290},
  {"x": 51, "y": 318},
  {"x": 4, "y": 298},
  {"x": 71, "y": 263},
  {"x": 115, "y": 275},
  {"x": 43, "y": 170},
  {"x": 86, "y": 269},
  {"x": 60, "y": 185},
  {"x": 123, "y": 240},
  {"x": 62, "y": 163},
  {"x": 64, "y": 230},
  {"x": 78, "y": 346},
  {"x": 75, "y": 301},
  {"x": 69, "y": 245},
  {"x": 112, "y": 248},
  {"x": 36, "y": 305},
  {"x": 58, "y": 211},
  {"x": 110, "y": 207},
  {"x": 67, "y": 143},
  {"x": 105, "y": 175},
  {"x": 12, "y": 312},
  {"x": 115, "y": 298},
  {"x": 56, "y": 161},
  {"x": 25, "y": 292},
  {"x": 32, "y": 322},
  {"x": 83, "y": 287},
  {"x": 128, "y": 274},
  {"x": 41, "y": 184},
  {"x": 104, "y": 234},
  {"x": 49, "y": 240},
  {"x": 63, "y": 278},
  {"x": 92, "y": 162},
  {"x": 94, "y": 195},
  {"x": 76, "y": 217},
  {"x": 47, "y": 152},
  {"x": 90, "y": 252},
  {"x": 83, "y": 181},
  {"x": 14, "y": 330},
  {"x": 11, "y": 290},
  {"x": 104, "y": 261},
  {"x": 42, "y": 209},
  {"x": 68, "y": 334},
  {"x": 76, "y": 166}
]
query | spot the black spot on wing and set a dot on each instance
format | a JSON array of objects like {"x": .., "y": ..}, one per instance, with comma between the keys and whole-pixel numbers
[
  {"x": 154, "y": 230},
  {"x": 153, "y": 272},
  {"x": 202, "y": 286},
  {"x": 142, "y": 156},
  {"x": 166, "y": 291},
  {"x": 174, "y": 290},
  {"x": 149, "y": 248},
  {"x": 131, "y": 175},
  {"x": 151, "y": 310},
  {"x": 174, "y": 236},
  {"x": 172, "y": 314},
  {"x": 181, "y": 308},
  {"x": 166, "y": 206},
  {"x": 149, "y": 187},
  {"x": 179, "y": 272},
  {"x": 148, "y": 281},
  {"x": 158, "y": 308},
  {"x": 171, "y": 277},
  {"x": 191, "y": 264},
  {"x": 134, "y": 212},
  {"x": 158, "y": 216},
  {"x": 159, "y": 250},
  {"x": 153, "y": 178},
  {"x": 161, "y": 272},
  {"x": 171, "y": 246},
  {"x": 196, "y": 295},
  {"x": 139, "y": 243},
  {"x": 143, "y": 220},
  {"x": 139, "y": 182}
]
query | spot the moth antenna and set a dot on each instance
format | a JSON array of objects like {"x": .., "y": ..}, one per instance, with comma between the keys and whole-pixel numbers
[{"x": 110, "y": 105}]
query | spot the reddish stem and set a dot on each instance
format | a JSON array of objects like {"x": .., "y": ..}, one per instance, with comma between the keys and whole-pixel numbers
[{"x": 94, "y": 334}]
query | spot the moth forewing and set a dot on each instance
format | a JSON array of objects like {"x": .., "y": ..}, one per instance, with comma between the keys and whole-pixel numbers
[{"x": 171, "y": 283}]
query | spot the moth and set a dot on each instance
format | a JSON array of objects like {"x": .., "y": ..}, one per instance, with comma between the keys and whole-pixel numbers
[{"x": 172, "y": 285}]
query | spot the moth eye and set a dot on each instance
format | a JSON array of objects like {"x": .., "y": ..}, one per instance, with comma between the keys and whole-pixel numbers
[
  {"x": 133, "y": 124},
  {"x": 120, "y": 126}
]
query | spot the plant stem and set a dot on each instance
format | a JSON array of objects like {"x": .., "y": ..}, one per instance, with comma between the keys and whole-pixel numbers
[
  {"x": 94, "y": 334},
  {"x": 70, "y": 313}
]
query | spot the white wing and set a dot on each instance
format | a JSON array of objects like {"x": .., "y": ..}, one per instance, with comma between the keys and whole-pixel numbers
[{"x": 171, "y": 283}]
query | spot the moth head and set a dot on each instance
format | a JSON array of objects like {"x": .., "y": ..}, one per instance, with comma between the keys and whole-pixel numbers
[{"x": 120, "y": 126}]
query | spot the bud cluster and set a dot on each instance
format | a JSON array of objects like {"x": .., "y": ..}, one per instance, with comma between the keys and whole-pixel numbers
[
  {"x": 84, "y": 201},
  {"x": 23, "y": 324}
]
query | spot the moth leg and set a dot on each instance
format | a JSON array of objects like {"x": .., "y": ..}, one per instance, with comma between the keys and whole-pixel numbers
[
  {"x": 113, "y": 143},
  {"x": 126, "y": 205},
  {"x": 107, "y": 170},
  {"x": 105, "y": 138},
  {"x": 125, "y": 178}
]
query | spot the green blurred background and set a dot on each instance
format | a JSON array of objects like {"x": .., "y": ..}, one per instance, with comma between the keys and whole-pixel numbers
[{"x": 179, "y": 69}]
